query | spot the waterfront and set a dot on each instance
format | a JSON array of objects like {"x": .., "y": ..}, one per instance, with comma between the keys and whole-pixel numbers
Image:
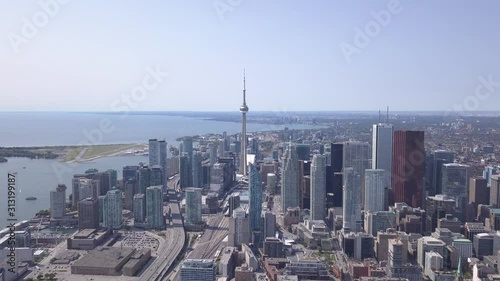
[{"x": 39, "y": 178}]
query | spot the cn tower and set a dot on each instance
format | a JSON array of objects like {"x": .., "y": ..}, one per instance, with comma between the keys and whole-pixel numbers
[{"x": 244, "y": 110}]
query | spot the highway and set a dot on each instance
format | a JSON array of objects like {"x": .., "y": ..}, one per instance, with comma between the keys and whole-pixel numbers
[{"x": 174, "y": 237}]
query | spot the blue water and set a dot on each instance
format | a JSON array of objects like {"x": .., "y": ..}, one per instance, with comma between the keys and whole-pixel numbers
[{"x": 50, "y": 128}]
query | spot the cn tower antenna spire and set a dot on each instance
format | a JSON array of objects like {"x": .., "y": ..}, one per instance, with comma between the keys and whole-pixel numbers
[
  {"x": 243, "y": 110},
  {"x": 244, "y": 89}
]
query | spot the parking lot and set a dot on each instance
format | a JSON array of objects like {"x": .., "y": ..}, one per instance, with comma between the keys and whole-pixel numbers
[{"x": 138, "y": 240}]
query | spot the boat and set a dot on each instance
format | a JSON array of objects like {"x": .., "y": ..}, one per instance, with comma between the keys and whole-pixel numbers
[{"x": 31, "y": 198}]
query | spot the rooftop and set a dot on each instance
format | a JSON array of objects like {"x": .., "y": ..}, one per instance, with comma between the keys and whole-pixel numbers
[{"x": 105, "y": 257}]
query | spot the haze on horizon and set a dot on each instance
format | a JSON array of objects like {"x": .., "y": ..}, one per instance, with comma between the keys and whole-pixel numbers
[{"x": 426, "y": 56}]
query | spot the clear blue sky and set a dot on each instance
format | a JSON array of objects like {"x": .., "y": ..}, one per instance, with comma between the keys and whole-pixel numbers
[{"x": 428, "y": 57}]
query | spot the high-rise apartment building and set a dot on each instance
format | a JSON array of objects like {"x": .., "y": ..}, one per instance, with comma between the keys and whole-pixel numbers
[
  {"x": 154, "y": 152},
  {"x": 112, "y": 209},
  {"x": 193, "y": 206},
  {"x": 88, "y": 213},
  {"x": 154, "y": 208},
  {"x": 213, "y": 154},
  {"x": 139, "y": 208},
  {"x": 58, "y": 202},
  {"x": 184, "y": 176},
  {"x": 197, "y": 169}
]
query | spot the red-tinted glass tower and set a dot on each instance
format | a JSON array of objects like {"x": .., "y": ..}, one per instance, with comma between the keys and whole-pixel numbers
[{"x": 408, "y": 164}]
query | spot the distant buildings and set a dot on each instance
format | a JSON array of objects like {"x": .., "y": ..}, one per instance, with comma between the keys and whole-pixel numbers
[{"x": 58, "y": 202}]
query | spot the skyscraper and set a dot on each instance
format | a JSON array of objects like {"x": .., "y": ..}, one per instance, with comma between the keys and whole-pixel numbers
[
  {"x": 187, "y": 146},
  {"x": 193, "y": 206},
  {"x": 58, "y": 202},
  {"x": 130, "y": 189},
  {"x": 439, "y": 158},
  {"x": 197, "y": 169},
  {"x": 149, "y": 176},
  {"x": 112, "y": 209},
  {"x": 269, "y": 224},
  {"x": 163, "y": 162},
  {"x": 88, "y": 213},
  {"x": 382, "y": 146},
  {"x": 154, "y": 208},
  {"x": 382, "y": 149},
  {"x": 243, "y": 110},
  {"x": 357, "y": 155},
  {"x": 154, "y": 152},
  {"x": 221, "y": 149},
  {"x": 184, "y": 176},
  {"x": 255, "y": 198},
  {"x": 318, "y": 187},
  {"x": 303, "y": 151},
  {"x": 139, "y": 208},
  {"x": 337, "y": 151},
  {"x": 130, "y": 172},
  {"x": 375, "y": 184},
  {"x": 213, "y": 154},
  {"x": 408, "y": 159},
  {"x": 455, "y": 182},
  {"x": 352, "y": 201},
  {"x": 289, "y": 177}
]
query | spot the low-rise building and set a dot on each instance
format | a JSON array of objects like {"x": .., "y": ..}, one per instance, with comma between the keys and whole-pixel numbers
[{"x": 88, "y": 239}]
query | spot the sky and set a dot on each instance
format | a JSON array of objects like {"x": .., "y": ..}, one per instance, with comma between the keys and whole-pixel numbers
[{"x": 74, "y": 55}]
